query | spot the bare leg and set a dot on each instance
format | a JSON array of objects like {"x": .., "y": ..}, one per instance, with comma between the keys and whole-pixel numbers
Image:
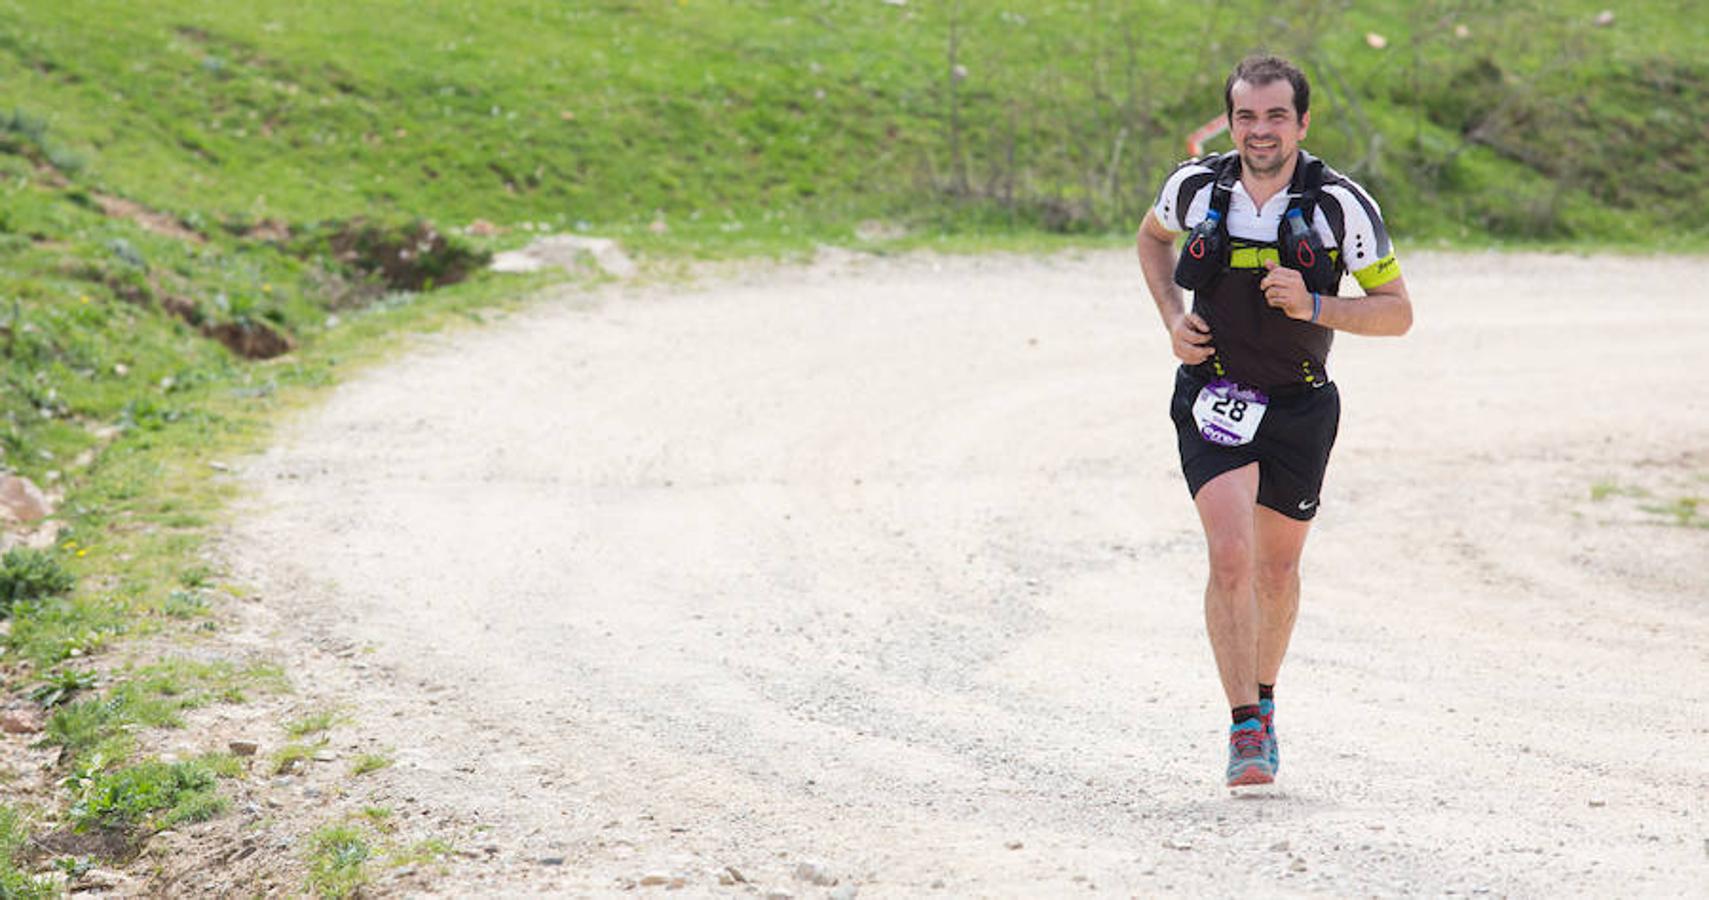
[
  {"x": 1225, "y": 506},
  {"x": 1279, "y": 543}
]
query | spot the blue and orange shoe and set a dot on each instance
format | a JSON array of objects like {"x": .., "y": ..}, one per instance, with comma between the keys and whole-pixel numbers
[
  {"x": 1267, "y": 715},
  {"x": 1248, "y": 761}
]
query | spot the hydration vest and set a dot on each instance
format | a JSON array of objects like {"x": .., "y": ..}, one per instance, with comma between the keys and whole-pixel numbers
[{"x": 1205, "y": 255}]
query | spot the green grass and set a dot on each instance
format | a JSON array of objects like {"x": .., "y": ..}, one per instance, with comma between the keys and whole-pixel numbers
[
  {"x": 185, "y": 605},
  {"x": 370, "y": 762},
  {"x": 152, "y": 696},
  {"x": 1685, "y": 512},
  {"x": 1602, "y": 490},
  {"x": 314, "y": 723},
  {"x": 270, "y": 138},
  {"x": 152, "y": 794},
  {"x": 293, "y": 755},
  {"x": 743, "y": 125},
  {"x": 337, "y": 859},
  {"x": 339, "y": 853},
  {"x": 14, "y": 882},
  {"x": 421, "y": 853},
  {"x": 62, "y": 686},
  {"x": 27, "y": 574}
]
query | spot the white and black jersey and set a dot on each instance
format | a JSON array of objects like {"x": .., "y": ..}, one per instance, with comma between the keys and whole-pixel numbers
[{"x": 1348, "y": 220}]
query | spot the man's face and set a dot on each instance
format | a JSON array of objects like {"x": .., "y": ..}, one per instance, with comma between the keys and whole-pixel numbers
[{"x": 1264, "y": 127}]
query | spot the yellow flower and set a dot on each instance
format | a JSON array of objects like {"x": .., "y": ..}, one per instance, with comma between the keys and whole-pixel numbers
[
  {"x": 82, "y": 553},
  {"x": 267, "y": 289},
  {"x": 68, "y": 545}
]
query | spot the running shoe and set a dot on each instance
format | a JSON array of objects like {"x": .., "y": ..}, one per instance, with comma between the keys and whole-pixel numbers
[
  {"x": 1247, "y": 759},
  {"x": 1267, "y": 715}
]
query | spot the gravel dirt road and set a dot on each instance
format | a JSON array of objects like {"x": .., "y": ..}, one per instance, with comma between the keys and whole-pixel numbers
[{"x": 881, "y": 572}]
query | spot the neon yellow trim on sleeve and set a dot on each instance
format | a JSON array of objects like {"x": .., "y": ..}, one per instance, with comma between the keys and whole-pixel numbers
[{"x": 1378, "y": 273}]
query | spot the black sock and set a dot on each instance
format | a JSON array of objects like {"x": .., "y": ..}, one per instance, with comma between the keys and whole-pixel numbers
[
  {"x": 1242, "y": 713},
  {"x": 1266, "y": 692}
]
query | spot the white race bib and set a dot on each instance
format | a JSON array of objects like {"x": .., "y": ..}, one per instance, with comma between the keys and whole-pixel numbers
[{"x": 1228, "y": 414}]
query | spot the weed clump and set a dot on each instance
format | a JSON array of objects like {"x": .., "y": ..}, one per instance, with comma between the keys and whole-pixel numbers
[
  {"x": 13, "y": 881},
  {"x": 28, "y": 574},
  {"x": 336, "y": 862},
  {"x": 370, "y": 762},
  {"x": 61, "y": 686},
  {"x": 127, "y": 798},
  {"x": 25, "y": 135}
]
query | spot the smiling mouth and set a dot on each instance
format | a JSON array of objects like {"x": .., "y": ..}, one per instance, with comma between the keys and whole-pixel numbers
[{"x": 1262, "y": 145}]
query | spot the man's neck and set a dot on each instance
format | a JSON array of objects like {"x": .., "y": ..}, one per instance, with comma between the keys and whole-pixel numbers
[{"x": 1262, "y": 187}]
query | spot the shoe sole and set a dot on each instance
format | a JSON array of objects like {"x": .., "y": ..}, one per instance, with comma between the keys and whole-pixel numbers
[{"x": 1251, "y": 775}]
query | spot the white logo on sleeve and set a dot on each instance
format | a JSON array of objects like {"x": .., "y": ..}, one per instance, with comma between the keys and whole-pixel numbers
[{"x": 1306, "y": 505}]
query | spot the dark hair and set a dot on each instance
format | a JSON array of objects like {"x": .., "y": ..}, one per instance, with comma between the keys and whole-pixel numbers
[{"x": 1261, "y": 70}]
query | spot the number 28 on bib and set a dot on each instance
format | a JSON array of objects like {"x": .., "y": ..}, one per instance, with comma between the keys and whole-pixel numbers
[{"x": 1227, "y": 413}]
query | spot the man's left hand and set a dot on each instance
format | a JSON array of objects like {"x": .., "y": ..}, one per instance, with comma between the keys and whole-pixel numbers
[{"x": 1284, "y": 289}]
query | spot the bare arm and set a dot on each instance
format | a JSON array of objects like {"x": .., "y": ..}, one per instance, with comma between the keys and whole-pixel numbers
[
  {"x": 1385, "y": 310},
  {"x": 1189, "y": 336}
]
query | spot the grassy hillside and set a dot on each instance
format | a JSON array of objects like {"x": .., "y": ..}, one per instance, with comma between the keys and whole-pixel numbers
[
  {"x": 207, "y": 209},
  {"x": 1511, "y": 120}
]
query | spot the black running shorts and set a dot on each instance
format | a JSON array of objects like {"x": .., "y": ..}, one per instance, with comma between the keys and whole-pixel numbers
[{"x": 1291, "y": 447}]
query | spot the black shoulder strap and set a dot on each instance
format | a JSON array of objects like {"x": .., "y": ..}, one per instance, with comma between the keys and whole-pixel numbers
[
  {"x": 1308, "y": 184},
  {"x": 1306, "y": 189},
  {"x": 1227, "y": 168}
]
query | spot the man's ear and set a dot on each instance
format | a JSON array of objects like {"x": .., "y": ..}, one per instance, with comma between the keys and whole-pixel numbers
[{"x": 1305, "y": 124}]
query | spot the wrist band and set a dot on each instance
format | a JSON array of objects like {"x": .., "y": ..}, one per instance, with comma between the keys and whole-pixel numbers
[{"x": 1316, "y": 306}]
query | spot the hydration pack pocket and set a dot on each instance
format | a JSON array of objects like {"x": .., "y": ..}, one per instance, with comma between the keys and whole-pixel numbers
[
  {"x": 1304, "y": 253},
  {"x": 1205, "y": 255}
]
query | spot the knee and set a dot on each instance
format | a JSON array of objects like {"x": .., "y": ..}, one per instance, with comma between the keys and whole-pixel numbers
[
  {"x": 1231, "y": 565},
  {"x": 1278, "y": 572}
]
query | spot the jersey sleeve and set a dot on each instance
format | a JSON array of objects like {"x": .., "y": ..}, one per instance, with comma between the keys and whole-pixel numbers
[
  {"x": 1361, "y": 235},
  {"x": 1179, "y": 191}
]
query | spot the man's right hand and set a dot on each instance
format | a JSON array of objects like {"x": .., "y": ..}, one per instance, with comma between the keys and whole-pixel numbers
[{"x": 1191, "y": 339}]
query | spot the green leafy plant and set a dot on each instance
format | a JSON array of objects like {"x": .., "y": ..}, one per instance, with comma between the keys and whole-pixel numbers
[
  {"x": 150, "y": 794},
  {"x": 337, "y": 861},
  {"x": 184, "y": 604},
  {"x": 62, "y": 685},
  {"x": 153, "y": 696},
  {"x": 27, "y": 574}
]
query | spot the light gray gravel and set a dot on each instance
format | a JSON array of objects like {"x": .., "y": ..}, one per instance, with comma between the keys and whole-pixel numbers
[{"x": 886, "y": 567}]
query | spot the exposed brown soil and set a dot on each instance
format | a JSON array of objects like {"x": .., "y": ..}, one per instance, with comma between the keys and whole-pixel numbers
[
  {"x": 150, "y": 220},
  {"x": 251, "y": 340},
  {"x": 412, "y": 258}
]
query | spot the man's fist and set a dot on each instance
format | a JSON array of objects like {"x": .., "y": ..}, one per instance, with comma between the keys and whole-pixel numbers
[
  {"x": 1191, "y": 339},
  {"x": 1284, "y": 289}
]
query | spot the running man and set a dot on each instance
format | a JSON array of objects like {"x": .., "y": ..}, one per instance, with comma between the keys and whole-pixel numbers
[{"x": 1272, "y": 232}]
